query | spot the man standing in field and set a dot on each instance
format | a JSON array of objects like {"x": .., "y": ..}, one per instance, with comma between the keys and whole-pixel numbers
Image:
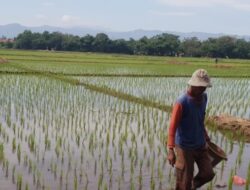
[{"x": 187, "y": 135}]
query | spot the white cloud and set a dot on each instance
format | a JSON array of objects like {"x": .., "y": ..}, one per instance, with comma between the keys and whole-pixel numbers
[
  {"x": 236, "y": 4},
  {"x": 175, "y": 13}
]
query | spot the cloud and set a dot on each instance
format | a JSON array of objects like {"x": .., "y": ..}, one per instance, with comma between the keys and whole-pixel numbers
[
  {"x": 236, "y": 4},
  {"x": 175, "y": 13}
]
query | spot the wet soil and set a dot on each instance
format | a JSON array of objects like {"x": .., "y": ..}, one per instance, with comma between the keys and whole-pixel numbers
[{"x": 234, "y": 124}]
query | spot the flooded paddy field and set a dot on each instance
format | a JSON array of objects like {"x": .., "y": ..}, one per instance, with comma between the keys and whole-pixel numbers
[{"x": 55, "y": 135}]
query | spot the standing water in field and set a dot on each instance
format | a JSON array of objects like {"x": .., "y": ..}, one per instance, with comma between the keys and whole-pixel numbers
[{"x": 55, "y": 135}]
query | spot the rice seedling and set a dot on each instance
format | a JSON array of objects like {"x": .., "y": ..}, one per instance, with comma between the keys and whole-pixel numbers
[
  {"x": 13, "y": 145},
  {"x": 26, "y": 186},
  {"x": 30, "y": 166},
  {"x": 31, "y": 142},
  {"x": 75, "y": 183},
  {"x": 240, "y": 153},
  {"x": 230, "y": 180},
  {"x": 248, "y": 177},
  {"x": 100, "y": 181},
  {"x": 13, "y": 174},
  {"x": 61, "y": 177},
  {"x": 38, "y": 180},
  {"x": 47, "y": 141},
  {"x": 132, "y": 185},
  {"x": 6, "y": 168},
  {"x": 1, "y": 152},
  {"x": 19, "y": 153},
  {"x": 152, "y": 183},
  {"x": 105, "y": 186},
  {"x": 19, "y": 181}
]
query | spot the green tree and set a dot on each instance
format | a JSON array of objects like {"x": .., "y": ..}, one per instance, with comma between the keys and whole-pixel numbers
[
  {"x": 55, "y": 41},
  {"x": 191, "y": 47},
  {"x": 166, "y": 44},
  {"x": 226, "y": 46},
  {"x": 38, "y": 41},
  {"x": 101, "y": 43},
  {"x": 120, "y": 46},
  {"x": 86, "y": 43},
  {"x": 71, "y": 43},
  {"x": 141, "y": 46},
  {"x": 24, "y": 40},
  {"x": 209, "y": 48},
  {"x": 242, "y": 49}
]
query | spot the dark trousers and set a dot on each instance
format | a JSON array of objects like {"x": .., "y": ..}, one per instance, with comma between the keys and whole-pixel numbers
[{"x": 185, "y": 168}]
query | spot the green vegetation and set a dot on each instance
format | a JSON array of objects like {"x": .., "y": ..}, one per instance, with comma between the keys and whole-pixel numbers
[
  {"x": 70, "y": 124},
  {"x": 1, "y": 152},
  {"x": 163, "y": 44},
  {"x": 93, "y": 64},
  {"x": 248, "y": 177},
  {"x": 19, "y": 181}
]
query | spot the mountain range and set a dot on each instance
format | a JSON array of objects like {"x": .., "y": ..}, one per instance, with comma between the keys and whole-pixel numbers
[{"x": 12, "y": 30}]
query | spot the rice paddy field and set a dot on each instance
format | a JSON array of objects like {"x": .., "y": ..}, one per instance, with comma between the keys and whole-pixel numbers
[{"x": 74, "y": 121}]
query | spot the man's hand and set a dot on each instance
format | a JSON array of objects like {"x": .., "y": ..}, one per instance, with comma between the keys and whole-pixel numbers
[{"x": 171, "y": 157}]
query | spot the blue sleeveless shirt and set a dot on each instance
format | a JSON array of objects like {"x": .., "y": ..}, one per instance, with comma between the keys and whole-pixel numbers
[{"x": 190, "y": 133}]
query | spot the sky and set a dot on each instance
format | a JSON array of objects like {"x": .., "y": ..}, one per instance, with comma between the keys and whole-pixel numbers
[{"x": 211, "y": 16}]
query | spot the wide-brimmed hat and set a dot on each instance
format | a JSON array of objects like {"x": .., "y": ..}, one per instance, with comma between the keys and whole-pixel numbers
[{"x": 200, "y": 78}]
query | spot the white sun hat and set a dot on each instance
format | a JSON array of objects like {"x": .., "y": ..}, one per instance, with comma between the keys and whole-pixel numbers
[{"x": 200, "y": 78}]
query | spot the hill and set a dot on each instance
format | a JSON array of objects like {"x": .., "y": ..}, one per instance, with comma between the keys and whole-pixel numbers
[{"x": 12, "y": 30}]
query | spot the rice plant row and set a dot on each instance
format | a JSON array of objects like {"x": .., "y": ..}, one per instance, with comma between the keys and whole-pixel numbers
[{"x": 227, "y": 96}]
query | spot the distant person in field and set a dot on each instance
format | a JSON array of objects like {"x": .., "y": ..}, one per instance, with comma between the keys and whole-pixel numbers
[
  {"x": 216, "y": 60},
  {"x": 187, "y": 136}
]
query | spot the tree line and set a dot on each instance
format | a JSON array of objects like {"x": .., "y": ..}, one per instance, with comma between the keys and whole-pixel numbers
[{"x": 162, "y": 45}]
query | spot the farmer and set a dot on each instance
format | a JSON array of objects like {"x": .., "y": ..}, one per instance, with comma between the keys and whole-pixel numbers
[
  {"x": 187, "y": 135},
  {"x": 216, "y": 60}
]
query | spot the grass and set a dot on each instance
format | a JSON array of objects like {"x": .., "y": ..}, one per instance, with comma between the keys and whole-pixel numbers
[{"x": 107, "y": 64}]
